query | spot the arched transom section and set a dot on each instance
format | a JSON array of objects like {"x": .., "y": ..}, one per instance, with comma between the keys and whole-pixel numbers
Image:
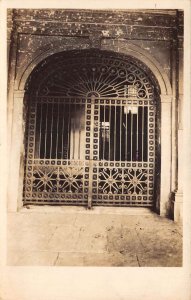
[
  {"x": 91, "y": 131},
  {"x": 91, "y": 72}
]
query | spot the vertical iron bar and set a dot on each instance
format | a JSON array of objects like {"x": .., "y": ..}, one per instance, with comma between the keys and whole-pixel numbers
[
  {"x": 137, "y": 146},
  {"x": 51, "y": 131},
  {"x": 126, "y": 134},
  {"x": 115, "y": 133},
  {"x": 63, "y": 110},
  {"x": 131, "y": 133},
  {"x": 74, "y": 130},
  {"x": 40, "y": 128},
  {"x": 35, "y": 149},
  {"x": 79, "y": 124},
  {"x": 104, "y": 131},
  {"x": 69, "y": 121},
  {"x": 109, "y": 131},
  {"x": 45, "y": 138},
  {"x": 148, "y": 109},
  {"x": 147, "y": 159},
  {"x": 120, "y": 129},
  {"x": 58, "y": 119},
  {"x": 143, "y": 111}
]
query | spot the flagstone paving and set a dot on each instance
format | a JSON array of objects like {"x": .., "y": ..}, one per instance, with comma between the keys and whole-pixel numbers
[{"x": 73, "y": 236}]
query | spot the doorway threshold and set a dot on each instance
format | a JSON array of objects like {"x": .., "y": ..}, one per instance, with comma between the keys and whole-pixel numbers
[{"x": 84, "y": 210}]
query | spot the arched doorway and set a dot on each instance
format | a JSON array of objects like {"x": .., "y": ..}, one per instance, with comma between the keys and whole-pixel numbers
[{"x": 91, "y": 136}]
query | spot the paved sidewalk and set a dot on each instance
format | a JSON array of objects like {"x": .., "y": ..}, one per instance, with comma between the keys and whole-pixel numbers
[{"x": 74, "y": 236}]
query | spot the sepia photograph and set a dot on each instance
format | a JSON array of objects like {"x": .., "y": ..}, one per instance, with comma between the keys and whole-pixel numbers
[
  {"x": 95, "y": 137},
  {"x": 95, "y": 150}
]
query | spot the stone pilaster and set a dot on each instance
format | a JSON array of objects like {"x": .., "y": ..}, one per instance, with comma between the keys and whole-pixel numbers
[
  {"x": 12, "y": 57},
  {"x": 165, "y": 189},
  {"x": 16, "y": 155}
]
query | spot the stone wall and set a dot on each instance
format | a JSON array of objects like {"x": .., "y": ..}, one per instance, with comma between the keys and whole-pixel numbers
[{"x": 37, "y": 30}]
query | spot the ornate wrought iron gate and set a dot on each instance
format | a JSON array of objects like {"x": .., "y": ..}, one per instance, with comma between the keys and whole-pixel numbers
[{"x": 94, "y": 144}]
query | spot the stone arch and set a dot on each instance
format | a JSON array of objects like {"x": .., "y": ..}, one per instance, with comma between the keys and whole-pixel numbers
[
  {"x": 119, "y": 47},
  {"x": 76, "y": 60},
  {"x": 145, "y": 57}
]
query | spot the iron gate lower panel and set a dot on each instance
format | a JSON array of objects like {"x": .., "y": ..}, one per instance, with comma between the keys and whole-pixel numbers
[
  {"x": 122, "y": 184},
  {"x": 67, "y": 182},
  {"x": 63, "y": 182}
]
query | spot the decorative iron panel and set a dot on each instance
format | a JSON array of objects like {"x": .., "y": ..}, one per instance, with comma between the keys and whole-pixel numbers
[
  {"x": 91, "y": 136},
  {"x": 106, "y": 77}
]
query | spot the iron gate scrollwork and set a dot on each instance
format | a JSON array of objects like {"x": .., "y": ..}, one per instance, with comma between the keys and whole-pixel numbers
[{"x": 91, "y": 135}]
